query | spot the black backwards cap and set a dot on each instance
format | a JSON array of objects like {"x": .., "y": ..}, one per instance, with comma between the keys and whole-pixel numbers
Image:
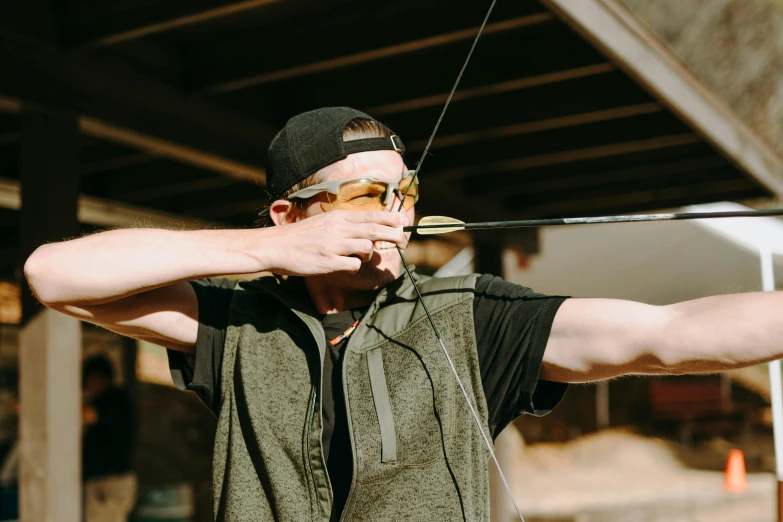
[{"x": 312, "y": 140}]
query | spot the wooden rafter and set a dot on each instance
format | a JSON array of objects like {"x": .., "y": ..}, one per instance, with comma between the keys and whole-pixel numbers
[
  {"x": 165, "y": 148},
  {"x": 177, "y": 23},
  {"x": 121, "y": 105},
  {"x": 494, "y": 89},
  {"x": 530, "y": 127},
  {"x": 100, "y": 212},
  {"x": 580, "y": 180},
  {"x": 556, "y": 158},
  {"x": 120, "y": 162},
  {"x": 156, "y": 147},
  {"x": 374, "y": 54},
  {"x": 658, "y": 197}
]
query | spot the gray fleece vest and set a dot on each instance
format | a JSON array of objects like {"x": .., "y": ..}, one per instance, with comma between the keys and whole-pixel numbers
[{"x": 417, "y": 454}]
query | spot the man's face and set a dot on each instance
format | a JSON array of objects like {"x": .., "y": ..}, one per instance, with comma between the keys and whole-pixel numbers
[{"x": 385, "y": 265}]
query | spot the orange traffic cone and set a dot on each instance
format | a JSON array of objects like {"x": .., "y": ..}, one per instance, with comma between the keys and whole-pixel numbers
[{"x": 735, "y": 479}]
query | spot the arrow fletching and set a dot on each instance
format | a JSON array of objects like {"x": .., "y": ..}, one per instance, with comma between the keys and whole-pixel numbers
[{"x": 437, "y": 225}]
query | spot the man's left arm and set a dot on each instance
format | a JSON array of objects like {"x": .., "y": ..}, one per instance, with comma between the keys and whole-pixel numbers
[{"x": 595, "y": 339}]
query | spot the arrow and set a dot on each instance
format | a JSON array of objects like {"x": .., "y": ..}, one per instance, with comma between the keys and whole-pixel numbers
[{"x": 442, "y": 224}]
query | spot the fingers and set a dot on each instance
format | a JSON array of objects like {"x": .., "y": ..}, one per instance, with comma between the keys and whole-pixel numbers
[
  {"x": 377, "y": 233},
  {"x": 378, "y": 226},
  {"x": 389, "y": 219},
  {"x": 337, "y": 241},
  {"x": 361, "y": 248},
  {"x": 347, "y": 264}
]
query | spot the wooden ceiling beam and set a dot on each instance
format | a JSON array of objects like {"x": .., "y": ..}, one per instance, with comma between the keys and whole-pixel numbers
[
  {"x": 176, "y": 189},
  {"x": 118, "y": 162},
  {"x": 530, "y": 127},
  {"x": 157, "y": 27},
  {"x": 648, "y": 199},
  {"x": 372, "y": 55},
  {"x": 156, "y": 147},
  {"x": 556, "y": 158},
  {"x": 119, "y": 105},
  {"x": 580, "y": 180},
  {"x": 104, "y": 213},
  {"x": 163, "y": 148},
  {"x": 576, "y": 195},
  {"x": 437, "y": 100},
  {"x": 615, "y": 31}
]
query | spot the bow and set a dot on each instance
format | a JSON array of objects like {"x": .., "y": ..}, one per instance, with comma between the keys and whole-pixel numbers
[{"x": 416, "y": 288}]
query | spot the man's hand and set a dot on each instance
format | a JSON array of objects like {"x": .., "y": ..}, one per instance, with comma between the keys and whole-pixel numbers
[
  {"x": 337, "y": 241},
  {"x": 134, "y": 281}
]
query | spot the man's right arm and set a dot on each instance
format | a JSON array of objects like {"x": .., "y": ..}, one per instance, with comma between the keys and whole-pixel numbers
[{"x": 134, "y": 281}]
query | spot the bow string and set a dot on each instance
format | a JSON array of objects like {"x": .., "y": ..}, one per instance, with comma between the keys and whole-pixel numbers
[{"x": 472, "y": 409}]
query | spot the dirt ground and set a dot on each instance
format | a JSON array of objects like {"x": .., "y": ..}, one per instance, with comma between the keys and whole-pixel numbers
[{"x": 619, "y": 476}]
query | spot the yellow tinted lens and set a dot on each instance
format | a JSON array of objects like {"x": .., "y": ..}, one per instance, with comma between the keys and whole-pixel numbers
[
  {"x": 360, "y": 195},
  {"x": 413, "y": 191}
]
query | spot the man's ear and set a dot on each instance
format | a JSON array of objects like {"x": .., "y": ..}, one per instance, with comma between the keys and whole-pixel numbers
[{"x": 282, "y": 211}]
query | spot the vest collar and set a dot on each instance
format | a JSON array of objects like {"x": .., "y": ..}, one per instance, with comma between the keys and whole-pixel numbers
[{"x": 293, "y": 293}]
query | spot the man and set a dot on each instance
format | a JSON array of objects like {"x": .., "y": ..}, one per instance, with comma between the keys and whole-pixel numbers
[
  {"x": 333, "y": 398},
  {"x": 109, "y": 431}
]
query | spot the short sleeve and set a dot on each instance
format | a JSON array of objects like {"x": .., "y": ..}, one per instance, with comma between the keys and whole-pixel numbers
[
  {"x": 512, "y": 329},
  {"x": 199, "y": 372}
]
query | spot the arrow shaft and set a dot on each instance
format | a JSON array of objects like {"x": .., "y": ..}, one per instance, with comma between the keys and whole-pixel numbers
[{"x": 602, "y": 219}]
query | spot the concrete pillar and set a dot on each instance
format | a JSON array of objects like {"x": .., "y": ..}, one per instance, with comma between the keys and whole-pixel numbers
[
  {"x": 50, "y": 421},
  {"x": 50, "y": 343}
]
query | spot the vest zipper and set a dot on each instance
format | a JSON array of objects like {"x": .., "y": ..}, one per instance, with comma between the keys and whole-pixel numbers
[
  {"x": 346, "y": 508},
  {"x": 349, "y": 498},
  {"x": 309, "y": 435}
]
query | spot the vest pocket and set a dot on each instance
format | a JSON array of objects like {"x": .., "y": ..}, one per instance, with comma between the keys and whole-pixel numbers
[
  {"x": 394, "y": 412},
  {"x": 380, "y": 396}
]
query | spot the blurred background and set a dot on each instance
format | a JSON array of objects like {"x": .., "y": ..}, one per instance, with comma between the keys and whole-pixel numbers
[{"x": 159, "y": 113}]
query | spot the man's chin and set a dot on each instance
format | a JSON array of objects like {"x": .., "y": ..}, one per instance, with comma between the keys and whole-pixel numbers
[{"x": 369, "y": 277}]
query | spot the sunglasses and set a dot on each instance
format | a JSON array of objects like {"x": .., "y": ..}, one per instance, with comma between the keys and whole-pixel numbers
[{"x": 363, "y": 193}]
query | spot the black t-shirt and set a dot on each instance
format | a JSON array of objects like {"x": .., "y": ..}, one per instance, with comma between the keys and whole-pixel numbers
[
  {"x": 512, "y": 325},
  {"x": 335, "y": 437}
]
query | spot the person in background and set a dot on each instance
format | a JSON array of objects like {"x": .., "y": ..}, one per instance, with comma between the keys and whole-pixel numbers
[{"x": 109, "y": 430}]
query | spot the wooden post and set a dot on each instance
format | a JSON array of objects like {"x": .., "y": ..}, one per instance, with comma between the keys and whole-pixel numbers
[
  {"x": 489, "y": 260},
  {"x": 50, "y": 345},
  {"x": 509, "y": 445}
]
